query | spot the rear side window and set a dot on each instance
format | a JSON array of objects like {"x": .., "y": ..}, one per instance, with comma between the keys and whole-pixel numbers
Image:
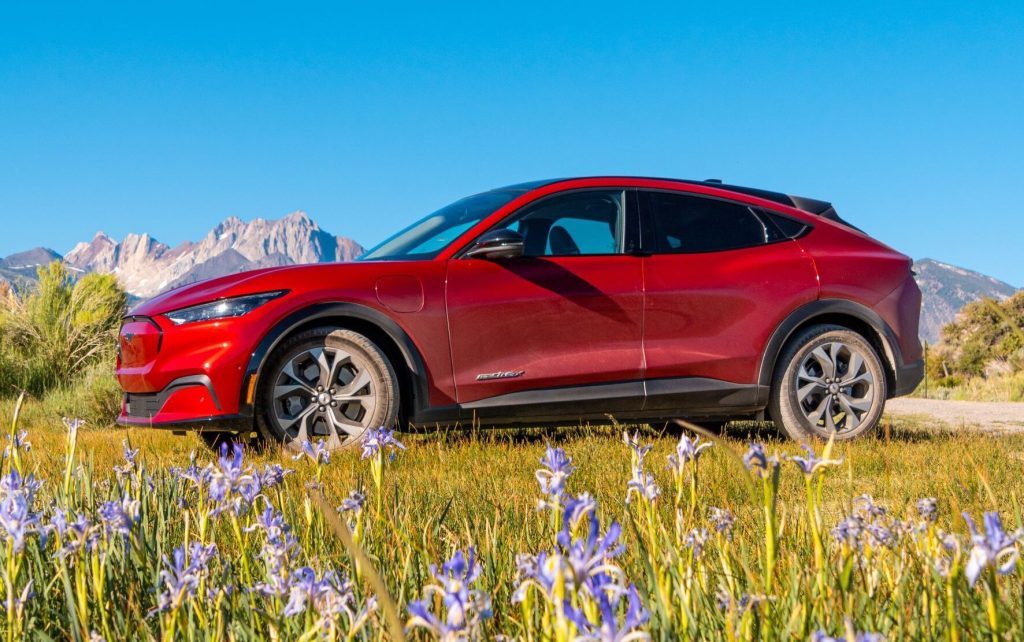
[
  {"x": 692, "y": 224},
  {"x": 787, "y": 228}
]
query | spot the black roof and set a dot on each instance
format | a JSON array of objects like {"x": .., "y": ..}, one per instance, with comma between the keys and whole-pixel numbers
[{"x": 809, "y": 205}]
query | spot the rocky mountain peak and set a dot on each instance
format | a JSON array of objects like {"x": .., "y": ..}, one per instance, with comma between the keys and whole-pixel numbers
[{"x": 145, "y": 266}]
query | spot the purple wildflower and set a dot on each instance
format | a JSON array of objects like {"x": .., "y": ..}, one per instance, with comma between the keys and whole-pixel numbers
[
  {"x": 318, "y": 452},
  {"x": 993, "y": 547},
  {"x": 129, "y": 459},
  {"x": 722, "y": 520},
  {"x": 180, "y": 577},
  {"x": 377, "y": 440},
  {"x": 639, "y": 450},
  {"x": 118, "y": 517},
  {"x": 811, "y": 464},
  {"x": 465, "y": 607},
  {"x": 353, "y": 503},
  {"x": 609, "y": 628},
  {"x": 687, "y": 450},
  {"x": 758, "y": 462},
  {"x": 642, "y": 485},
  {"x": 17, "y": 519},
  {"x": 557, "y": 468},
  {"x": 928, "y": 508}
]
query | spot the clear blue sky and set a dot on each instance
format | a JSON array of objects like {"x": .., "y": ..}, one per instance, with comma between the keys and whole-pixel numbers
[{"x": 168, "y": 117}]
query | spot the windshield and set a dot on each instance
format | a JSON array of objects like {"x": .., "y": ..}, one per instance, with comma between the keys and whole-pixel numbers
[{"x": 425, "y": 238}]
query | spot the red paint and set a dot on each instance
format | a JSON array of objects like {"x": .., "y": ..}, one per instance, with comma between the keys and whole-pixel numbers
[{"x": 562, "y": 321}]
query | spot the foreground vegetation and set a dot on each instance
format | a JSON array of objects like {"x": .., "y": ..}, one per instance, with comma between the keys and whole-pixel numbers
[
  {"x": 468, "y": 534},
  {"x": 981, "y": 354}
]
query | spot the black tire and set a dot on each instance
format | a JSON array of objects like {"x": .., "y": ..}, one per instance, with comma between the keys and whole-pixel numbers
[
  {"x": 807, "y": 403},
  {"x": 372, "y": 405}
]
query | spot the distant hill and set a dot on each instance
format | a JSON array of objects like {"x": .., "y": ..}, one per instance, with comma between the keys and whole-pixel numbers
[{"x": 946, "y": 289}]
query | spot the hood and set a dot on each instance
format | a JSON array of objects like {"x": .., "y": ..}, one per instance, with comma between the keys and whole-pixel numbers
[{"x": 251, "y": 282}]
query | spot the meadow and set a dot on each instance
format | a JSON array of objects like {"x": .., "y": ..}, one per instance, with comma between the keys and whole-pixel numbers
[{"x": 468, "y": 535}]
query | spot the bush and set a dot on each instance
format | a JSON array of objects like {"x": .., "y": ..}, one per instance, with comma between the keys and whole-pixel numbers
[{"x": 58, "y": 330}]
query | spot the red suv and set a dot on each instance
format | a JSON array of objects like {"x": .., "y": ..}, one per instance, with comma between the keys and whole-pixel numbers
[{"x": 546, "y": 302}]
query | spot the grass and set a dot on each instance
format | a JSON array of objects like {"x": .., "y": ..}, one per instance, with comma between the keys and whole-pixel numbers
[
  {"x": 1001, "y": 387},
  {"x": 451, "y": 490}
]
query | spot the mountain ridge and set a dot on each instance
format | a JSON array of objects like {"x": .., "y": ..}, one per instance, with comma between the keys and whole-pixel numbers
[{"x": 146, "y": 266}]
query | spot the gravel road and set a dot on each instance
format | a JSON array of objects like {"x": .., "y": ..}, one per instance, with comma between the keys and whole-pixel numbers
[{"x": 988, "y": 416}]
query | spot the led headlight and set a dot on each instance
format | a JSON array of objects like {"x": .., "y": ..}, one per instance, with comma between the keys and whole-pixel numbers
[{"x": 222, "y": 309}]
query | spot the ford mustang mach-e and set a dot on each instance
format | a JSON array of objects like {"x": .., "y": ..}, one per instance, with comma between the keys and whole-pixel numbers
[{"x": 547, "y": 302}]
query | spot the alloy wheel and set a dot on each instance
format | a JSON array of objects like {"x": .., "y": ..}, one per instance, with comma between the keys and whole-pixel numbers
[
  {"x": 835, "y": 389},
  {"x": 324, "y": 392}
]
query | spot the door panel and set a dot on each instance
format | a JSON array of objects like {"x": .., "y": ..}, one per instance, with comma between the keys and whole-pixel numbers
[
  {"x": 710, "y": 315},
  {"x": 540, "y": 322}
]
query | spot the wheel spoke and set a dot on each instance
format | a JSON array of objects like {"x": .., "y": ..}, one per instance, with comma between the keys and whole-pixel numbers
[
  {"x": 802, "y": 393},
  {"x": 350, "y": 391},
  {"x": 289, "y": 422},
  {"x": 855, "y": 366},
  {"x": 816, "y": 414},
  {"x": 288, "y": 390},
  {"x": 289, "y": 371},
  {"x": 824, "y": 359},
  {"x": 861, "y": 405},
  {"x": 852, "y": 418},
  {"x": 325, "y": 365}
]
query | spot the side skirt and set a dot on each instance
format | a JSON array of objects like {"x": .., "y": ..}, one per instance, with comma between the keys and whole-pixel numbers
[{"x": 691, "y": 397}]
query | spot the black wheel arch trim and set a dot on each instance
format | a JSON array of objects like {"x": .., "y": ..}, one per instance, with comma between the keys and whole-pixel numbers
[
  {"x": 308, "y": 316},
  {"x": 823, "y": 308}
]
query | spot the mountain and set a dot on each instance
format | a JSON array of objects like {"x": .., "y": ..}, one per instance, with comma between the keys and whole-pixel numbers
[
  {"x": 24, "y": 264},
  {"x": 146, "y": 267},
  {"x": 945, "y": 289}
]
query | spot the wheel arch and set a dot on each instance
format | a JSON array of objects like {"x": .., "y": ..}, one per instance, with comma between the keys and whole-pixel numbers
[
  {"x": 396, "y": 344},
  {"x": 848, "y": 314}
]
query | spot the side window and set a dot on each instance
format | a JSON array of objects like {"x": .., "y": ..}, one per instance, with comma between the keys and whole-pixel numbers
[
  {"x": 577, "y": 223},
  {"x": 691, "y": 224}
]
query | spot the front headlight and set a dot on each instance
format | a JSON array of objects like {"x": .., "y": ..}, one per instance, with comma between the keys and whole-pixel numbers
[{"x": 222, "y": 309}]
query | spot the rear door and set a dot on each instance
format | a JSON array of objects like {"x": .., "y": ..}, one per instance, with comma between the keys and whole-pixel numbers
[
  {"x": 720, "y": 278},
  {"x": 559, "y": 326}
]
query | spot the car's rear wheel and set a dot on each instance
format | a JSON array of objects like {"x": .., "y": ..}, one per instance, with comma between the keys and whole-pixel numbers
[
  {"x": 326, "y": 384},
  {"x": 829, "y": 381}
]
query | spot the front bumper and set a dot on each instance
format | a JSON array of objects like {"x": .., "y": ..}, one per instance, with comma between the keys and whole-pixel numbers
[{"x": 186, "y": 402}]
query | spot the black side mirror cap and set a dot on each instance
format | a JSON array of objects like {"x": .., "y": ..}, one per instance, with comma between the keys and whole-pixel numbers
[{"x": 497, "y": 244}]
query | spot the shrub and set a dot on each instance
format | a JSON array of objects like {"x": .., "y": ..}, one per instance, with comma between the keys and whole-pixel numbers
[{"x": 58, "y": 330}]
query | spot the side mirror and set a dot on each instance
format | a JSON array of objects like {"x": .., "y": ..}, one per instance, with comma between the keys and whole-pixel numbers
[{"x": 497, "y": 244}]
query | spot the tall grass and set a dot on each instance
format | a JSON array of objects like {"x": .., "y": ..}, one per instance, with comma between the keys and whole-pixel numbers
[
  {"x": 725, "y": 542},
  {"x": 53, "y": 333}
]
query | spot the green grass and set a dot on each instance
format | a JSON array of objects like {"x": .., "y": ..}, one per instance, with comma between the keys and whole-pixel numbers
[{"x": 454, "y": 489}]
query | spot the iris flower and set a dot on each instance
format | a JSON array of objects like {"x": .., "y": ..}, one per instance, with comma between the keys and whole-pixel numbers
[
  {"x": 811, "y": 464},
  {"x": 377, "y": 440},
  {"x": 993, "y": 547}
]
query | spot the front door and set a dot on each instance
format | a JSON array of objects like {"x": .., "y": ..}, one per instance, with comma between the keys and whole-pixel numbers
[{"x": 557, "y": 330}]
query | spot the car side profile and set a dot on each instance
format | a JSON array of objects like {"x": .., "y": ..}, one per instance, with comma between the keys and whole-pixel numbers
[{"x": 555, "y": 301}]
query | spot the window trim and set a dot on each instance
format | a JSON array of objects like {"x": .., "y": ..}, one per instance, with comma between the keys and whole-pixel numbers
[
  {"x": 648, "y": 244},
  {"x": 629, "y": 219}
]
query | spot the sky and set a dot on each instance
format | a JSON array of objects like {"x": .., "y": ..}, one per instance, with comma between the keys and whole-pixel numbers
[{"x": 167, "y": 118}]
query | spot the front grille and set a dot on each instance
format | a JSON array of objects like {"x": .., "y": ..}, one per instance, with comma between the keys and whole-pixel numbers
[{"x": 143, "y": 406}]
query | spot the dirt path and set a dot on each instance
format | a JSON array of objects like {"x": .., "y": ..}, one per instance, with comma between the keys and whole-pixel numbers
[{"x": 990, "y": 416}]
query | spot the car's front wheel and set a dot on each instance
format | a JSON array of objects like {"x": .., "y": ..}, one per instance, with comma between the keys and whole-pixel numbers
[
  {"x": 829, "y": 381},
  {"x": 326, "y": 383}
]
